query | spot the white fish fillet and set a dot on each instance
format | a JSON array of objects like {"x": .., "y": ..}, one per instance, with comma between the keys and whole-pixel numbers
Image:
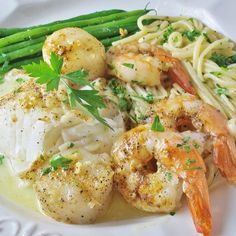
[{"x": 33, "y": 124}]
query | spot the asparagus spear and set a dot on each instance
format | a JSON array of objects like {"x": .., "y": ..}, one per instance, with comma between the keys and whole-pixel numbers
[
  {"x": 8, "y": 31},
  {"x": 97, "y": 30},
  {"x": 20, "y": 45},
  {"x": 27, "y": 51}
]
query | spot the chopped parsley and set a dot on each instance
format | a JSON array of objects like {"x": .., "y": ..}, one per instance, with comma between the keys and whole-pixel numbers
[
  {"x": 123, "y": 104},
  {"x": 196, "y": 145},
  {"x": 222, "y": 91},
  {"x": 221, "y": 60},
  {"x": 168, "y": 176},
  {"x": 190, "y": 165},
  {"x": 185, "y": 140},
  {"x": 216, "y": 73},
  {"x": 116, "y": 87},
  {"x": 20, "y": 80},
  {"x": 187, "y": 148},
  {"x": 110, "y": 66},
  {"x": 190, "y": 19},
  {"x": 184, "y": 144},
  {"x": 167, "y": 33},
  {"x": 50, "y": 75},
  {"x": 57, "y": 161},
  {"x": 149, "y": 98},
  {"x": 71, "y": 145},
  {"x": 120, "y": 91},
  {"x": 172, "y": 213},
  {"x": 206, "y": 37},
  {"x": 191, "y": 35},
  {"x": 2, "y": 157},
  {"x": 190, "y": 161},
  {"x": 129, "y": 65},
  {"x": 157, "y": 125}
]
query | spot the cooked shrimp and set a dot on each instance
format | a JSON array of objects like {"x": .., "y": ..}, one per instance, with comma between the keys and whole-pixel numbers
[
  {"x": 188, "y": 112},
  {"x": 152, "y": 171},
  {"x": 79, "y": 49},
  {"x": 146, "y": 64}
]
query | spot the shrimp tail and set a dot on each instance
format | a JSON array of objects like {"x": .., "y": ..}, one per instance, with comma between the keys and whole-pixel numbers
[
  {"x": 198, "y": 203},
  {"x": 179, "y": 75},
  {"x": 225, "y": 157},
  {"x": 195, "y": 187},
  {"x": 177, "y": 71}
]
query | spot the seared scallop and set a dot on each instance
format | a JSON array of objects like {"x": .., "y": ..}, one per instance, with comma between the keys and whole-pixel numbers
[
  {"x": 80, "y": 193},
  {"x": 79, "y": 49}
]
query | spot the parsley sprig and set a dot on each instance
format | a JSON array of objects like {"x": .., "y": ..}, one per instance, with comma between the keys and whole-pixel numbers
[{"x": 51, "y": 76}]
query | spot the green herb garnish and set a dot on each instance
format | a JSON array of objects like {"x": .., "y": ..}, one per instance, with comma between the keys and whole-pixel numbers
[
  {"x": 187, "y": 148},
  {"x": 206, "y": 37},
  {"x": 172, "y": 213},
  {"x": 221, "y": 60},
  {"x": 110, "y": 66},
  {"x": 185, "y": 140},
  {"x": 2, "y": 157},
  {"x": 190, "y": 161},
  {"x": 184, "y": 145},
  {"x": 123, "y": 104},
  {"x": 20, "y": 80},
  {"x": 216, "y": 73},
  {"x": 57, "y": 161},
  {"x": 196, "y": 145},
  {"x": 149, "y": 98},
  {"x": 157, "y": 125},
  {"x": 71, "y": 145},
  {"x": 120, "y": 91},
  {"x": 190, "y": 19},
  {"x": 129, "y": 65},
  {"x": 167, "y": 33},
  {"x": 116, "y": 87},
  {"x": 191, "y": 35},
  {"x": 169, "y": 176},
  {"x": 222, "y": 91},
  {"x": 51, "y": 77}
]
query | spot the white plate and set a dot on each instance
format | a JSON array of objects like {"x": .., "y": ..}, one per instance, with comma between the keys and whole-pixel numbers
[{"x": 16, "y": 221}]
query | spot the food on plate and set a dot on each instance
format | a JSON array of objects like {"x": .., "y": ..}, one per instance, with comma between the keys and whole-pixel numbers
[
  {"x": 79, "y": 49},
  {"x": 118, "y": 100},
  {"x": 188, "y": 113},
  {"x": 146, "y": 64},
  {"x": 152, "y": 172}
]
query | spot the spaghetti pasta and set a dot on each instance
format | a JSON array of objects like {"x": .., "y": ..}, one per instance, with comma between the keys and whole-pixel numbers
[{"x": 194, "y": 44}]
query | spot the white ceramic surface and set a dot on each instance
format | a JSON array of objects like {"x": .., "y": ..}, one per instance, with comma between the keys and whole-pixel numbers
[{"x": 16, "y": 221}]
